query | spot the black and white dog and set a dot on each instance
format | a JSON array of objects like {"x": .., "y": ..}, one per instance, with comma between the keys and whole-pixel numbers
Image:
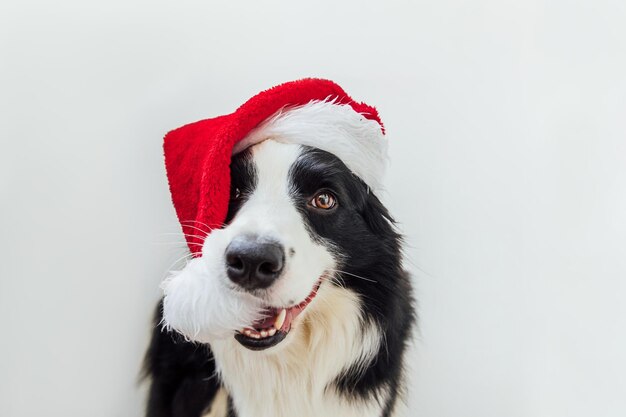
[{"x": 308, "y": 242}]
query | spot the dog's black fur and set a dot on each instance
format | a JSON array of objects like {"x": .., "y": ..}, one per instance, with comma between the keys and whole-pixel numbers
[{"x": 362, "y": 232}]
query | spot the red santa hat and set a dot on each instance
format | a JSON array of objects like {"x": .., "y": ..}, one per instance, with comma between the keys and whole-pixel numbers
[{"x": 312, "y": 112}]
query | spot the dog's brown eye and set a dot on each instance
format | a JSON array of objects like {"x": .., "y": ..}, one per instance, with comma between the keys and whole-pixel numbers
[
  {"x": 236, "y": 193},
  {"x": 324, "y": 201}
]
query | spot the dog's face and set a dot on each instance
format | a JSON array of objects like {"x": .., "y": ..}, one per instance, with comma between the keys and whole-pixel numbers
[{"x": 297, "y": 217}]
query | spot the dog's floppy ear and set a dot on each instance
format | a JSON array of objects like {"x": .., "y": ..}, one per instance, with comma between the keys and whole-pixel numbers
[{"x": 376, "y": 215}]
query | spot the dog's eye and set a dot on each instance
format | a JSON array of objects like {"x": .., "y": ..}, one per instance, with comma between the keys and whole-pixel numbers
[
  {"x": 324, "y": 201},
  {"x": 236, "y": 194}
]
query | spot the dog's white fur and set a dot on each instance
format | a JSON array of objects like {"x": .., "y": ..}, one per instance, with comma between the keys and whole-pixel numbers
[
  {"x": 336, "y": 128},
  {"x": 293, "y": 378}
]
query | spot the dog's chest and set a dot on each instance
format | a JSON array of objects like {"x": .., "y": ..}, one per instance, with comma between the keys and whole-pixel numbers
[
  {"x": 274, "y": 396},
  {"x": 298, "y": 404}
]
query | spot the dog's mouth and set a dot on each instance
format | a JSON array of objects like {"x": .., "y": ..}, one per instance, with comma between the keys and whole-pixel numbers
[{"x": 274, "y": 327}]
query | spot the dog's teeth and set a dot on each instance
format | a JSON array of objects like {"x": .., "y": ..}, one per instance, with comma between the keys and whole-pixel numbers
[
  {"x": 271, "y": 331},
  {"x": 263, "y": 333},
  {"x": 255, "y": 335},
  {"x": 280, "y": 319},
  {"x": 247, "y": 332}
]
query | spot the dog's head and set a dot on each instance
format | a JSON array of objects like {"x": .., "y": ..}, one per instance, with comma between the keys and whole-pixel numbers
[
  {"x": 300, "y": 225},
  {"x": 304, "y": 230}
]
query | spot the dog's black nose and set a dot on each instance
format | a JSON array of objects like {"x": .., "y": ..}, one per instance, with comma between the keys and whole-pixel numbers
[{"x": 253, "y": 263}]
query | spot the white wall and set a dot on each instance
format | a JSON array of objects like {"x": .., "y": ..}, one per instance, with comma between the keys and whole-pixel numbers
[{"x": 508, "y": 132}]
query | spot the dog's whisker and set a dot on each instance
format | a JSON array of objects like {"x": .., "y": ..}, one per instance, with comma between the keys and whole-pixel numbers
[
  {"x": 200, "y": 230},
  {"x": 196, "y": 236},
  {"x": 353, "y": 275},
  {"x": 180, "y": 242},
  {"x": 185, "y": 234},
  {"x": 215, "y": 225},
  {"x": 179, "y": 234},
  {"x": 187, "y": 257},
  {"x": 336, "y": 280}
]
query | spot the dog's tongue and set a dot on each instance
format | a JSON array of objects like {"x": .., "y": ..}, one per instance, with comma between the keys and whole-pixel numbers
[
  {"x": 278, "y": 318},
  {"x": 266, "y": 322},
  {"x": 281, "y": 318}
]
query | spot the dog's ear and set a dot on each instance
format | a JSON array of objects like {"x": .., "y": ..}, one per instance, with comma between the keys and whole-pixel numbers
[{"x": 377, "y": 216}]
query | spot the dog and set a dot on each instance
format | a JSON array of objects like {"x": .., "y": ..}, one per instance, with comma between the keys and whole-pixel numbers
[{"x": 307, "y": 242}]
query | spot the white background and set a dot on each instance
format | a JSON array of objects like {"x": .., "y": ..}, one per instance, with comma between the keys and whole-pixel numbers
[{"x": 508, "y": 145}]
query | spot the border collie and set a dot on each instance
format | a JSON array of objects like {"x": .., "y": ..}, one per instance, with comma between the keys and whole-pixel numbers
[{"x": 308, "y": 243}]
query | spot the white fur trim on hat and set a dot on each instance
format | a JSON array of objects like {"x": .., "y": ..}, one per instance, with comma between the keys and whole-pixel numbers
[{"x": 336, "y": 128}]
